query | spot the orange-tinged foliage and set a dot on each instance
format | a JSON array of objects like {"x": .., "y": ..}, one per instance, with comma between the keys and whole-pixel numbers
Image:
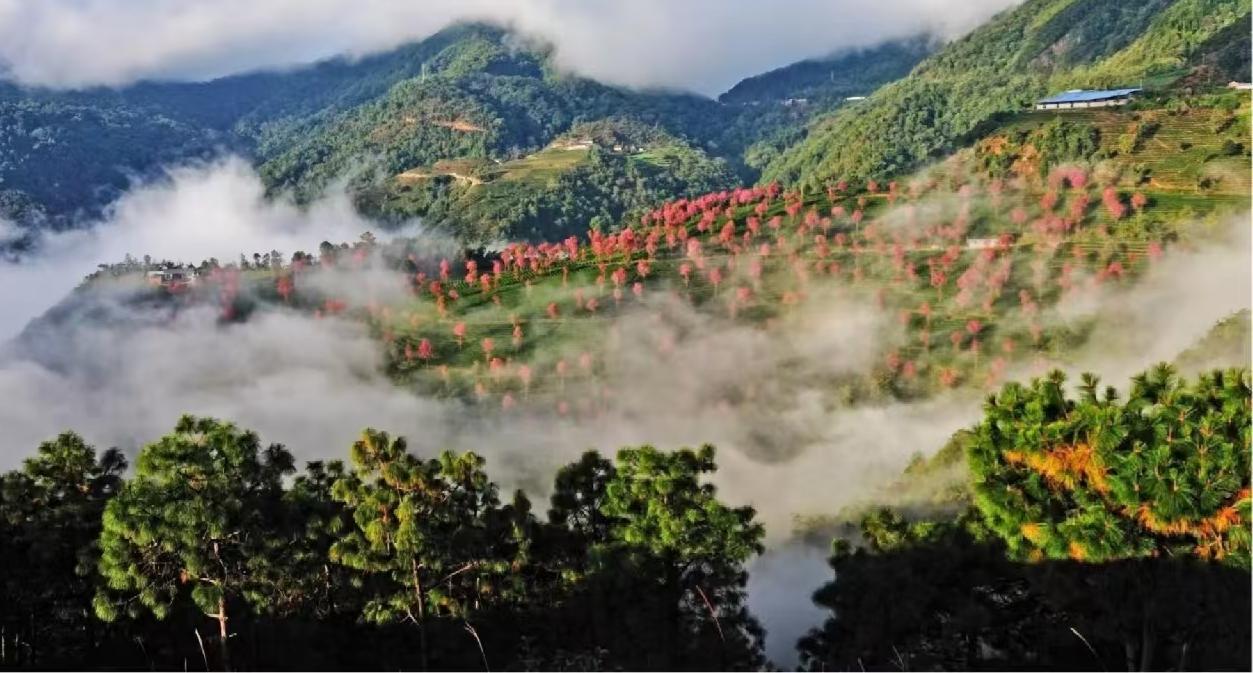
[
  {"x": 1064, "y": 465},
  {"x": 1027, "y": 163},
  {"x": 995, "y": 145},
  {"x": 1077, "y": 550},
  {"x": 1032, "y": 531},
  {"x": 1208, "y": 531}
]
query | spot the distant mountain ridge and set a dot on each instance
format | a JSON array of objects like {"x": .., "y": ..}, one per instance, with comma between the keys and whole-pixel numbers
[
  {"x": 477, "y": 93},
  {"x": 65, "y": 155},
  {"x": 855, "y": 72}
]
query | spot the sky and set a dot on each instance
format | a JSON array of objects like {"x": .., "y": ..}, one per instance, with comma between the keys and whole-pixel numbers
[{"x": 704, "y": 46}]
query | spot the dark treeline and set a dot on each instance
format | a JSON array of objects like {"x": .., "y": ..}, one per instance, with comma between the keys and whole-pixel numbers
[
  {"x": 398, "y": 562},
  {"x": 1075, "y": 550}
]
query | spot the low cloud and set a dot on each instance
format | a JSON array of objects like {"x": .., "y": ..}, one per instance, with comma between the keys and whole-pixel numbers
[
  {"x": 195, "y": 212},
  {"x": 120, "y": 370},
  {"x": 700, "y": 45},
  {"x": 1169, "y": 309}
]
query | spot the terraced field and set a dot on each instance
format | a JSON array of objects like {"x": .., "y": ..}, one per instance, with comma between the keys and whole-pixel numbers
[{"x": 1179, "y": 149}]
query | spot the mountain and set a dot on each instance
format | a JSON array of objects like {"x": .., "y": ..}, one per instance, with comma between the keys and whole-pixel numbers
[
  {"x": 487, "y": 99},
  {"x": 62, "y": 157},
  {"x": 777, "y": 106},
  {"x": 591, "y": 175},
  {"x": 847, "y": 73},
  {"x": 1006, "y": 64},
  {"x": 471, "y": 92}
]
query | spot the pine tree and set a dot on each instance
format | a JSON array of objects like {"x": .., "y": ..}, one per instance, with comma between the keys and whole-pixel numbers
[
  {"x": 666, "y": 521},
  {"x": 196, "y": 521},
  {"x": 1094, "y": 479},
  {"x": 1147, "y": 499},
  {"x": 49, "y": 521},
  {"x": 435, "y": 529},
  {"x": 303, "y": 581}
]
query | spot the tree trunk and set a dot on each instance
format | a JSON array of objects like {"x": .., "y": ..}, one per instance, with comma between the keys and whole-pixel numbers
[
  {"x": 417, "y": 589},
  {"x": 222, "y": 634}
]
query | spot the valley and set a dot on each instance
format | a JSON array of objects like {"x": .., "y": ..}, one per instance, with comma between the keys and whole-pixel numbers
[{"x": 560, "y": 375}]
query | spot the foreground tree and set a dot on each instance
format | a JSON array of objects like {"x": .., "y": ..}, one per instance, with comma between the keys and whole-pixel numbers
[
  {"x": 49, "y": 520},
  {"x": 433, "y": 532},
  {"x": 305, "y": 583},
  {"x": 196, "y": 523},
  {"x": 1093, "y": 479},
  {"x": 1150, "y": 497},
  {"x": 668, "y": 525}
]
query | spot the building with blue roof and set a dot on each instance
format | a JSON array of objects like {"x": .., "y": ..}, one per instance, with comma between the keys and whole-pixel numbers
[{"x": 1080, "y": 98}]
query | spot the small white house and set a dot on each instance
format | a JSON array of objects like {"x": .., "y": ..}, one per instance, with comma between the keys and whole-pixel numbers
[
  {"x": 1242, "y": 86},
  {"x": 172, "y": 277}
]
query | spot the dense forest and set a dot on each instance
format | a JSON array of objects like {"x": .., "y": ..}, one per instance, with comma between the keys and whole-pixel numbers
[
  {"x": 217, "y": 551},
  {"x": 470, "y": 92},
  {"x": 854, "y": 73}
]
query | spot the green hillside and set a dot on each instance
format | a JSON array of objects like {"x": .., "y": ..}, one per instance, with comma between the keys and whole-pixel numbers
[
  {"x": 64, "y": 155},
  {"x": 470, "y": 92},
  {"x": 1226, "y": 344},
  {"x": 593, "y": 175},
  {"x": 1005, "y": 65},
  {"x": 851, "y": 73},
  {"x": 1178, "y": 147},
  {"x": 477, "y": 98},
  {"x": 62, "y": 159}
]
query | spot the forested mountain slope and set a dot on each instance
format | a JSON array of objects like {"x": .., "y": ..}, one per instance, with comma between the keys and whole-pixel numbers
[
  {"x": 1003, "y": 66},
  {"x": 847, "y": 73},
  {"x": 470, "y": 92}
]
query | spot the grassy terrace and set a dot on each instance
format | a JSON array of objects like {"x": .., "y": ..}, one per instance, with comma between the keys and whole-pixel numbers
[{"x": 1178, "y": 149}]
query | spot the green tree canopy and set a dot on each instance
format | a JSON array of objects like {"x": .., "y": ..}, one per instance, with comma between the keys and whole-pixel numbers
[
  {"x": 1096, "y": 479},
  {"x": 435, "y": 529},
  {"x": 669, "y": 524},
  {"x": 49, "y": 521},
  {"x": 196, "y": 521}
]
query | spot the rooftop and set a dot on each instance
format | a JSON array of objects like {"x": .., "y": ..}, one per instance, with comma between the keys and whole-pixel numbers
[{"x": 1081, "y": 96}]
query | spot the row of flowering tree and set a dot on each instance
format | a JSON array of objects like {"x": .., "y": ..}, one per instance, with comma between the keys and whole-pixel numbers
[
  {"x": 756, "y": 254},
  {"x": 940, "y": 253}
]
